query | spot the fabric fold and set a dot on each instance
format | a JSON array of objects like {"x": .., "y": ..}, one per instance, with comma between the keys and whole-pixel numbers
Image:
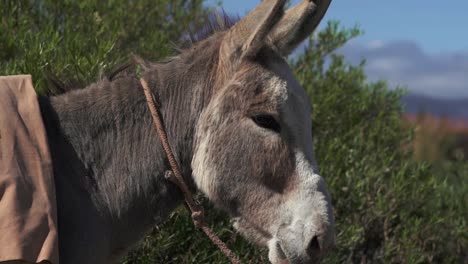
[{"x": 28, "y": 211}]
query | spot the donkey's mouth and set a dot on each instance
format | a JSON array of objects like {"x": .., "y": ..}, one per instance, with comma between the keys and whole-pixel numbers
[
  {"x": 276, "y": 254},
  {"x": 283, "y": 259}
]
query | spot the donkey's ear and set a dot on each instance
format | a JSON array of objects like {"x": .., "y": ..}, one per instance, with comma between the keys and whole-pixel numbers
[
  {"x": 248, "y": 36},
  {"x": 297, "y": 24}
]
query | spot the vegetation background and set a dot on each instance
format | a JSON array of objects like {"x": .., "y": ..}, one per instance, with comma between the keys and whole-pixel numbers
[{"x": 389, "y": 207}]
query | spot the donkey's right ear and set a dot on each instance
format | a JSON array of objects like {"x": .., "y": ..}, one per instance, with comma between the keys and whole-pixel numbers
[{"x": 248, "y": 36}]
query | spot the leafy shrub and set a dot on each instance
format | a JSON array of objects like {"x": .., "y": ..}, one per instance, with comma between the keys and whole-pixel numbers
[
  {"x": 389, "y": 208},
  {"x": 80, "y": 40}
]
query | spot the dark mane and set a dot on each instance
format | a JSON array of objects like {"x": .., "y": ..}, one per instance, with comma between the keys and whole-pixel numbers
[{"x": 216, "y": 21}]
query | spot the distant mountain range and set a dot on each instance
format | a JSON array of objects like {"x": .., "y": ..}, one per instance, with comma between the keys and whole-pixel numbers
[{"x": 450, "y": 108}]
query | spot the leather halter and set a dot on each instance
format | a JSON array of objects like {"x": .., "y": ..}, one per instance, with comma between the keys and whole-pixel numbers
[{"x": 175, "y": 177}]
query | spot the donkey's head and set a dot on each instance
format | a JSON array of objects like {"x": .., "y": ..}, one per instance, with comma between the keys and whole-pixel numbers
[{"x": 253, "y": 151}]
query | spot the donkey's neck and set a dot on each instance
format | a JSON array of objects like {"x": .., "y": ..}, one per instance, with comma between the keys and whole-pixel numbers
[{"x": 106, "y": 152}]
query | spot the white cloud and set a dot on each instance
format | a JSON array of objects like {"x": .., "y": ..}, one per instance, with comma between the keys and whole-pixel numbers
[
  {"x": 375, "y": 44},
  {"x": 388, "y": 64},
  {"x": 404, "y": 63}
]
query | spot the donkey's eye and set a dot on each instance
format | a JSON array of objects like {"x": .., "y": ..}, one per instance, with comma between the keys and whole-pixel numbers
[{"x": 268, "y": 122}]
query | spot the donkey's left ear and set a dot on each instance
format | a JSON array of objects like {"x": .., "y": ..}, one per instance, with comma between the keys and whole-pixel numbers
[
  {"x": 297, "y": 24},
  {"x": 248, "y": 36}
]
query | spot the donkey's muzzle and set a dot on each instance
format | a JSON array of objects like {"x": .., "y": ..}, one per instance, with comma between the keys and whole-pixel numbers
[{"x": 294, "y": 246}]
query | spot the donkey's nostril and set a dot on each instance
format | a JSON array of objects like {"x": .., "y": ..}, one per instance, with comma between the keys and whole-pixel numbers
[{"x": 313, "y": 249}]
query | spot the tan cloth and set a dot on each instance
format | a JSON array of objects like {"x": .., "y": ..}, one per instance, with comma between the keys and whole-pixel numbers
[{"x": 28, "y": 216}]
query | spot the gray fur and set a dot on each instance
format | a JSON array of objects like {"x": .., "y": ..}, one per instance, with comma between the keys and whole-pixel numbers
[{"x": 108, "y": 160}]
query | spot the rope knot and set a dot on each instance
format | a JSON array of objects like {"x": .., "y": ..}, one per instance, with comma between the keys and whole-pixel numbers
[{"x": 198, "y": 217}]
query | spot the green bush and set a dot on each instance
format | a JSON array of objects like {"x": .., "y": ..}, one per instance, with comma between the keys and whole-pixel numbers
[
  {"x": 80, "y": 40},
  {"x": 388, "y": 208}
]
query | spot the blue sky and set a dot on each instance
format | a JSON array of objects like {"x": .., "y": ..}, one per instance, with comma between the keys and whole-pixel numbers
[{"x": 422, "y": 45}]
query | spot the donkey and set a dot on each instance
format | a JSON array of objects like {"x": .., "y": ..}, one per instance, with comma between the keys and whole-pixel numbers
[{"x": 238, "y": 123}]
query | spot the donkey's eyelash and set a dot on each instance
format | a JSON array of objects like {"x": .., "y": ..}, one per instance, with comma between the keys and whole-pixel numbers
[{"x": 267, "y": 121}]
